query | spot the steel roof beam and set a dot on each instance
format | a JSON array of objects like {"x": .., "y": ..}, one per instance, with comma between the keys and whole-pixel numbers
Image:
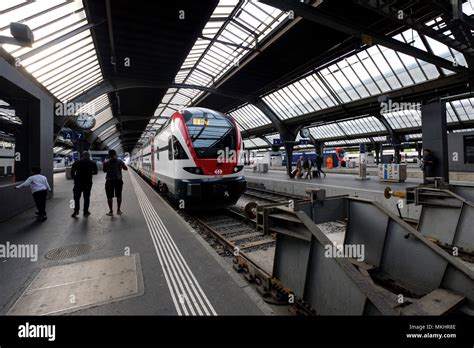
[
  {"x": 387, "y": 11},
  {"x": 315, "y": 15},
  {"x": 58, "y": 40},
  {"x": 440, "y": 87},
  {"x": 117, "y": 84},
  {"x": 95, "y": 133}
]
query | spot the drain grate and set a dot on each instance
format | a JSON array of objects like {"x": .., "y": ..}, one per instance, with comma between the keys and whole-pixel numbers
[{"x": 68, "y": 251}]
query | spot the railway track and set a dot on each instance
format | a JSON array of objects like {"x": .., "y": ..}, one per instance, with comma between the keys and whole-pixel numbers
[
  {"x": 262, "y": 194},
  {"x": 238, "y": 236}
]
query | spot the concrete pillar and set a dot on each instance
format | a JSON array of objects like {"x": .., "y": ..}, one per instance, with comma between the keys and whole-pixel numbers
[
  {"x": 396, "y": 152},
  {"x": 377, "y": 153},
  {"x": 418, "y": 149},
  {"x": 34, "y": 139},
  {"x": 288, "y": 139}
]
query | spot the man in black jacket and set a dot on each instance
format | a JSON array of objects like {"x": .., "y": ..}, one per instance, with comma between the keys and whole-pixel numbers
[
  {"x": 113, "y": 181},
  {"x": 82, "y": 172},
  {"x": 319, "y": 165}
]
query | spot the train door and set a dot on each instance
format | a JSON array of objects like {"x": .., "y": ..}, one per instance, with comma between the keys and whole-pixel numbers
[{"x": 152, "y": 154}]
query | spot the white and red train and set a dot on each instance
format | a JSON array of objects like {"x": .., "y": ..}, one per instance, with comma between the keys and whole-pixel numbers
[{"x": 196, "y": 158}]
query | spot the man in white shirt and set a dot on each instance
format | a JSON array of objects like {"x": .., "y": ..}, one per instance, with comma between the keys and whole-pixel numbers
[{"x": 39, "y": 188}]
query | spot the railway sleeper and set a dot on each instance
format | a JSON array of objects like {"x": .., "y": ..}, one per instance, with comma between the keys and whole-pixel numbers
[
  {"x": 231, "y": 233},
  {"x": 225, "y": 226}
]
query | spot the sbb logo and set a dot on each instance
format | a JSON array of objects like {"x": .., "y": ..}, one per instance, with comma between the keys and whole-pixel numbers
[{"x": 218, "y": 171}]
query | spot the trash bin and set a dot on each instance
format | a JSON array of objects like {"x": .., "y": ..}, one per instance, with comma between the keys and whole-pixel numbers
[
  {"x": 68, "y": 173},
  {"x": 263, "y": 167}
]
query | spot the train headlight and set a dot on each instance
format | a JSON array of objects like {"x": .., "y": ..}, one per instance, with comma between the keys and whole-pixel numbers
[
  {"x": 193, "y": 170},
  {"x": 238, "y": 168}
]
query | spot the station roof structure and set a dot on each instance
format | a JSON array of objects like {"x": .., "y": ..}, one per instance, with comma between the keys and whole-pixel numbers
[{"x": 321, "y": 65}]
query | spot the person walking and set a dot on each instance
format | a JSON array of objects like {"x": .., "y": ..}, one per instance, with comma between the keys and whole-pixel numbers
[
  {"x": 309, "y": 167},
  {"x": 319, "y": 165},
  {"x": 316, "y": 160},
  {"x": 82, "y": 172},
  {"x": 113, "y": 181},
  {"x": 299, "y": 167},
  {"x": 39, "y": 188}
]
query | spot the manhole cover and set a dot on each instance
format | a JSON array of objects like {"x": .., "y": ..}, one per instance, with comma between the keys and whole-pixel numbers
[{"x": 68, "y": 251}]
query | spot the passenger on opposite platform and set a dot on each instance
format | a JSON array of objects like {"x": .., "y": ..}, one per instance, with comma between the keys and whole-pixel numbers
[
  {"x": 428, "y": 165},
  {"x": 319, "y": 165},
  {"x": 308, "y": 164},
  {"x": 299, "y": 167}
]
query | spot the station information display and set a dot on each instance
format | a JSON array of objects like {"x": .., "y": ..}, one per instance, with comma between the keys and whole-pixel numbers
[{"x": 469, "y": 149}]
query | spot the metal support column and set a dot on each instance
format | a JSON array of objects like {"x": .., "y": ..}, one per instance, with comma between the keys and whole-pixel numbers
[{"x": 435, "y": 138}]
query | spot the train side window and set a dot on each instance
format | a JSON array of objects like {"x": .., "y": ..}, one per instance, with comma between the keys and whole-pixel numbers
[
  {"x": 170, "y": 149},
  {"x": 157, "y": 151},
  {"x": 178, "y": 149}
]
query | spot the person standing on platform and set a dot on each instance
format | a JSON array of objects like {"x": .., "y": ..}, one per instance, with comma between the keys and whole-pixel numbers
[
  {"x": 428, "y": 164},
  {"x": 39, "y": 188},
  {"x": 299, "y": 167},
  {"x": 309, "y": 167},
  {"x": 113, "y": 181},
  {"x": 316, "y": 159},
  {"x": 319, "y": 165},
  {"x": 81, "y": 173}
]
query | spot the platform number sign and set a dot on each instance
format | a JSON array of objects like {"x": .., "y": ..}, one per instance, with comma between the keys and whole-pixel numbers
[
  {"x": 67, "y": 135},
  {"x": 70, "y": 135}
]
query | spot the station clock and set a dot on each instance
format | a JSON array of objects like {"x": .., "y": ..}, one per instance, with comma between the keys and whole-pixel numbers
[
  {"x": 304, "y": 133},
  {"x": 85, "y": 121}
]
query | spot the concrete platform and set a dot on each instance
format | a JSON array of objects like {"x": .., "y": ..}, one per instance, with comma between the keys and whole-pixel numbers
[
  {"x": 336, "y": 184},
  {"x": 181, "y": 274},
  {"x": 413, "y": 172}
]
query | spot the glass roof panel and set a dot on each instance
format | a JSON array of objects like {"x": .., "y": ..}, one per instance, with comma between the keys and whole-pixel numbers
[
  {"x": 103, "y": 117},
  {"x": 109, "y": 131},
  {"x": 362, "y": 126},
  {"x": 272, "y": 137},
  {"x": 373, "y": 71},
  {"x": 248, "y": 143},
  {"x": 260, "y": 142},
  {"x": 403, "y": 119},
  {"x": 50, "y": 20},
  {"x": 413, "y": 136},
  {"x": 463, "y": 130},
  {"x": 357, "y": 141},
  {"x": 249, "y": 116},
  {"x": 326, "y": 131},
  {"x": 463, "y": 108},
  {"x": 207, "y": 62},
  {"x": 380, "y": 139},
  {"x": 7, "y": 113}
]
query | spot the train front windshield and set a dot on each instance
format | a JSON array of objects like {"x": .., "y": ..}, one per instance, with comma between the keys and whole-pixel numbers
[{"x": 210, "y": 133}]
